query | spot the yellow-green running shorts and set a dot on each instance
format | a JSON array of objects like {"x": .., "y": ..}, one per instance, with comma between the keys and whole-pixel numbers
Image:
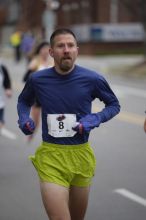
[{"x": 66, "y": 165}]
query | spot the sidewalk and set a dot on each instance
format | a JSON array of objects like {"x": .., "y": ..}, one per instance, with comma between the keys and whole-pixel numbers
[
  {"x": 125, "y": 65},
  {"x": 114, "y": 64}
]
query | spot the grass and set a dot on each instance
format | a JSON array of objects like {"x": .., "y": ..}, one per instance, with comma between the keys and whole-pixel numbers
[
  {"x": 137, "y": 51},
  {"x": 136, "y": 71}
]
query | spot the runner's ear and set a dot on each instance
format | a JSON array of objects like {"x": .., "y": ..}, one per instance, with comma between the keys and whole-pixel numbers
[{"x": 51, "y": 52}]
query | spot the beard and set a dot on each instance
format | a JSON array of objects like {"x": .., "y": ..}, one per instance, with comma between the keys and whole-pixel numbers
[{"x": 66, "y": 64}]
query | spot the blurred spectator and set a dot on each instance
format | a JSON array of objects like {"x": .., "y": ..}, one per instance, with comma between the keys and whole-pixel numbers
[
  {"x": 27, "y": 44},
  {"x": 15, "y": 40},
  {"x": 5, "y": 87},
  {"x": 144, "y": 124},
  {"x": 40, "y": 60}
]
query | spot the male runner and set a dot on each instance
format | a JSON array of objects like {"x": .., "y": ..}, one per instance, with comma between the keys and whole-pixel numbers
[{"x": 65, "y": 162}]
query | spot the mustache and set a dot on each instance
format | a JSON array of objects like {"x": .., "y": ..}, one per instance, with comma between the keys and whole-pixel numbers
[{"x": 66, "y": 57}]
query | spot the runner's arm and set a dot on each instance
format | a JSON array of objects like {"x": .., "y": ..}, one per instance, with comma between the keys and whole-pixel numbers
[
  {"x": 25, "y": 101},
  {"x": 107, "y": 96},
  {"x": 103, "y": 92}
]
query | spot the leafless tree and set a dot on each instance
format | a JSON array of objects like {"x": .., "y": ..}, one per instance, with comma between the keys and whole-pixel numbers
[
  {"x": 31, "y": 13},
  {"x": 137, "y": 8}
]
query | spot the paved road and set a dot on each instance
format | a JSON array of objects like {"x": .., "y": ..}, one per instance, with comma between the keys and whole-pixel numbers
[{"x": 118, "y": 191}]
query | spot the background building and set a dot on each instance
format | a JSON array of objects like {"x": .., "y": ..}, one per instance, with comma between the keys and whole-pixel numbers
[
  {"x": 105, "y": 25},
  {"x": 101, "y": 26}
]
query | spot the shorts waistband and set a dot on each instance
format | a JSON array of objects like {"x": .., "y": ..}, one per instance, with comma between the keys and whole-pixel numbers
[{"x": 64, "y": 146}]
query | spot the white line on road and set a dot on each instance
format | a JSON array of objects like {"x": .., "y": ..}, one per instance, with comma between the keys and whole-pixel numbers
[
  {"x": 125, "y": 116},
  {"x": 125, "y": 90},
  {"x": 131, "y": 196},
  {"x": 8, "y": 134},
  {"x": 120, "y": 90}
]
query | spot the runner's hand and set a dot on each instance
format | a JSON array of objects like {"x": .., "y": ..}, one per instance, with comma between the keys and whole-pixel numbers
[
  {"x": 87, "y": 123},
  {"x": 78, "y": 127},
  {"x": 27, "y": 126}
]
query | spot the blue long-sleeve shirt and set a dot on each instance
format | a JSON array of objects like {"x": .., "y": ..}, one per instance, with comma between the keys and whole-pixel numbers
[{"x": 71, "y": 94}]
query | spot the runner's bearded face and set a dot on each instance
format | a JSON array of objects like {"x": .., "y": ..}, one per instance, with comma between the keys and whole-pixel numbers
[{"x": 64, "y": 52}]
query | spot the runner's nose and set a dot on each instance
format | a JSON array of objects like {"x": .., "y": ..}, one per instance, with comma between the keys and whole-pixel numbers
[{"x": 66, "y": 49}]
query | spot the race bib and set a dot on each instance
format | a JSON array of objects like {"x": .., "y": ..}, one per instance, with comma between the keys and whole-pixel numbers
[{"x": 60, "y": 125}]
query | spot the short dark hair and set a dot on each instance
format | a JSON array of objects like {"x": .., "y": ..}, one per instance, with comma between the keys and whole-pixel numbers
[
  {"x": 60, "y": 31},
  {"x": 40, "y": 46}
]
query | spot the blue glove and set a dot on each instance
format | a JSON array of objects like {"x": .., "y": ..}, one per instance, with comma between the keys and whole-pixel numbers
[
  {"x": 87, "y": 123},
  {"x": 27, "y": 126}
]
